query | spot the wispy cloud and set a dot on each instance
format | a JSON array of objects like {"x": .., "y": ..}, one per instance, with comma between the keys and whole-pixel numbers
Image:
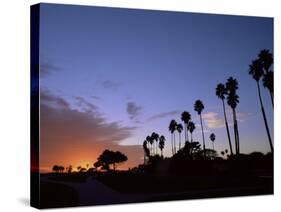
[
  {"x": 52, "y": 101},
  {"x": 47, "y": 69},
  {"x": 213, "y": 120},
  {"x": 243, "y": 116},
  {"x": 67, "y": 133},
  {"x": 96, "y": 97},
  {"x": 133, "y": 110},
  {"x": 163, "y": 115},
  {"x": 86, "y": 105},
  {"x": 109, "y": 84}
]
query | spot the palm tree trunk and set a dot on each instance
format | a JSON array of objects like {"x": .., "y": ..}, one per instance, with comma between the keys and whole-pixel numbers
[
  {"x": 179, "y": 141},
  {"x": 186, "y": 134},
  {"x": 172, "y": 143},
  {"x": 234, "y": 130},
  {"x": 213, "y": 146},
  {"x": 271, "y": 94},
  {"x": 237, "y": 133},
  {"x": 175, "y": 148},
  {"x": 185, "y": 130},
  {"x": 227, "y": 129},
  {"x": 204, "y": 151},
  {"x": 264, "y": 118}
]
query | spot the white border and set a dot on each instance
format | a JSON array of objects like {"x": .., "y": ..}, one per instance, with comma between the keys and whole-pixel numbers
[{"x": 14, "y": 109}]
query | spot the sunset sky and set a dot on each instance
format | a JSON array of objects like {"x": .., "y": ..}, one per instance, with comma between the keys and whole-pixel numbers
[{"x": 110, "y": 77}]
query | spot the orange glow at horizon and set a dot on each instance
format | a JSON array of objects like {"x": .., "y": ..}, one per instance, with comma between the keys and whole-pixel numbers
[{"x": 85, "y": 154}]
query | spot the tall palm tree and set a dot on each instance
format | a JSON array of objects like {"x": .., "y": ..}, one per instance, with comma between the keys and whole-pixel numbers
[
  {"x": 232, "y": 101},
  {"x": 172, "y": 128},
  {"x": 199, "y": 107},
  {"x": 150, "y": 141},
  {"x": 154, "y": 136},
  {"x": 179, "y": 129},
  {"x": 213, "y": 138},
  {"x": 268, "y": 83},
  {"x": 191, "y": 128},
  {"x": 256, "y": 72},
  {"x": 185, "y": 117},
  {"x": 221, "y": 91},
  {"x": 146, "y": 151},
  {"x": 162, "y": 140},
  {"x": 266, "y": 59}
]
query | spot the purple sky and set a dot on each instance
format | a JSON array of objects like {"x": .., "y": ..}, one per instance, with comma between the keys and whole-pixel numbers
[{"x": 138, "y": 69}]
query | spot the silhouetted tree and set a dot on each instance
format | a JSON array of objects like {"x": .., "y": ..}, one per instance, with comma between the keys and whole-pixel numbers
[
  {"x": 146, "y": 151},
  {"x": 56, "y": 168},
  {"x": 155, "y": 137},
  {"x": 268, "y": 83},
  {"x": 199, "y": 107},
  {"x": 172, "y": 128},
  {"x": 162, "y": 140},
  {"x": 179, "y": 129},
  {"x": 221, "y": 92},
  {"x": 211, "y": 154},
  {"x": 232, "y": 101},
  {"x": 256, "y": 71},
  {"x": 185, "y": 117},
  {"x": 213, "y": 138},
  {"x": 191, "y": 148},
  {"x": 150, "y": 141},
  {"x": 109, "y": 157},
  {"x": 78, "y": 168},
  {"x": 83, "y": 169},
  {"x": 191, "y": 128},
  {"x": 97, "y": 164},
  {"x": 69, "y": 169},
  {"x": 266, "y": 59},
  {"x": 61, "y": 168}
]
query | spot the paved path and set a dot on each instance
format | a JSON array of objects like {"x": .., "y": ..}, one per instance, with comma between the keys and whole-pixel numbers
[{"x": 93, "y": 192}]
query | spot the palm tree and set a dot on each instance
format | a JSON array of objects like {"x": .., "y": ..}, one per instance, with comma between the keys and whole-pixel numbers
[
  {"x": 221, "y": 91},
  {"x": 179, "y": 129},
  {"x": 185, "y": 117},
  {"x": 172, "y": 128},
  {"x": 154, "y": 136},
  {"x": 266, "y": 59},
  {"x": 162, "y": 140},
  {"x": 232, "y": 101},
  {"x": 150, "y": 141},
  {"x": 199, "y": 107},
  {"x": 213, "y": 138},
  {"x": 257, "y": 72},
  {"x": 191, "y": 128},
  {"x": 146, "y": 151},
  {"x": 268, "y": 83}
]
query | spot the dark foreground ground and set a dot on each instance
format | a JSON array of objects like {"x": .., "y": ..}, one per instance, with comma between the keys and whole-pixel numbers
[{"x": 78, "y": 189}]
